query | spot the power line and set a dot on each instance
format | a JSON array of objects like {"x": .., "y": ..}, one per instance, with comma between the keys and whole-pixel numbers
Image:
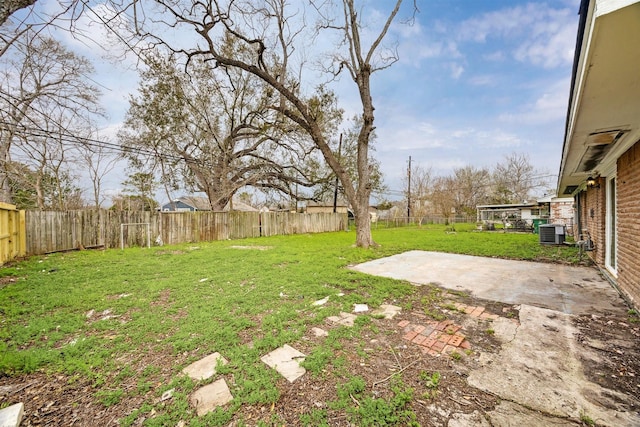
[{"x": 120, "y": 148}]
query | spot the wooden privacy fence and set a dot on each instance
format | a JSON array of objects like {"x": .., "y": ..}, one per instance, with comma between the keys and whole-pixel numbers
[
  {"x": 49, "y": 231},
  {"x": 12, "y": 233}
]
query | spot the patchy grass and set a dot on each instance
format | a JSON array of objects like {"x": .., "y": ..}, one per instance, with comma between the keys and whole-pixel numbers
[{"x": 117, "y": 317}]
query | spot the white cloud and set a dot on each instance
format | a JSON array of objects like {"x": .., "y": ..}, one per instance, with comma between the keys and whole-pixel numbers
[
  {"x": 427, "y": 135},
  {"x": 548, "y": 47},
  {"x": 543, "y": 36},
  {"x": 456, "y": 70},
  {"x": 483, "y": 80},
  {"x": 550, "y": 106}
]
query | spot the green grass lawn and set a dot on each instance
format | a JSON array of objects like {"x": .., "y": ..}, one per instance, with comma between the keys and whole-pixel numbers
[{"x": 116, "y": 317}]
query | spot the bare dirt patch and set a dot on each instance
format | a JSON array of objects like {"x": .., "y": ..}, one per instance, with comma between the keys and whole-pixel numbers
[
  {"x": 4, "y": 281},
  {"x": 615, "y": 341}
]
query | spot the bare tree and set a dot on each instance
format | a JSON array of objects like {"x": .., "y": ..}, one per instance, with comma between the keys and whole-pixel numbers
[
  {"x": 472, "y": 188},
  {"x": 268, "y": 34},
  {"x": 514, "y": 179},
  {"x": 43, "y": 90},
  {"x": 99, "y": 163},
  {"x": 443, "y": 196}
]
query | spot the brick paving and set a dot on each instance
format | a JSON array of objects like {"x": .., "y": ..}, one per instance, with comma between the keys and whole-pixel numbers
[{"x": 435, "y": 338}]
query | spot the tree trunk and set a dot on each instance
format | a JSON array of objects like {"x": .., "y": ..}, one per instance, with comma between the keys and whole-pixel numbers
[
  {"x": 363, "y": 226},
  {"x": 8, "y": 7},
  {"x": 5, "y": 158}
]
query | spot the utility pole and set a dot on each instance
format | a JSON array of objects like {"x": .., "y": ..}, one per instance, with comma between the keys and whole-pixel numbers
[
  {"x": 335, "y": 192},
  {"x": 409, "y": 191}
]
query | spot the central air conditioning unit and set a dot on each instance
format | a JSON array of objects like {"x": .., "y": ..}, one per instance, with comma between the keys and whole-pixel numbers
[{"x": 551, "y": 234}]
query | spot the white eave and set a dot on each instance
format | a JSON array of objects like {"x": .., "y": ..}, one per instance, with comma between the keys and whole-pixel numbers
[{"x": 603, "y": 118}]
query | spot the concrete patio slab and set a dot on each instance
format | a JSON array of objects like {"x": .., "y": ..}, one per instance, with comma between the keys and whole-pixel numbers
[
  {"x": 204, "y": 368},
  {"x": 286, "y": 360},
  {"x": 508, "y": 414},
  {"x": 211, "y": 396},
  {"x": 539, "y": 368},
  {"x": 569, "y": 289}
]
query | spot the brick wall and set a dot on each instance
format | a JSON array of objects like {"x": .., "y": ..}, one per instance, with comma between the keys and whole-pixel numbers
[
  {"x": 592, "y": 219},
  {"x": 628, "y": 179},
  {"x": 562, "y": 213}
]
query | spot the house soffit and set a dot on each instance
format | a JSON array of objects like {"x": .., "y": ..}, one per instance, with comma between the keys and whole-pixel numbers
[{"x": 604, "y": 114}]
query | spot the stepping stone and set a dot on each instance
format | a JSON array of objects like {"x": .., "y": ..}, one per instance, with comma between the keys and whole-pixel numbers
[
  {"x": 167, "y": 395},
  {"x": 322, "y": 301},
  {"x": 344, "y": 319},
  {"x": 286, "y": 360},
  {"x": 387, "y": 310},
  {"x": 11, "y": 416},
  {"x": 360, "y": 308},
  {"x": 211, "y": 396},
  {"x": 319, "y": 332},
  {"x": 204, "y": 368}
]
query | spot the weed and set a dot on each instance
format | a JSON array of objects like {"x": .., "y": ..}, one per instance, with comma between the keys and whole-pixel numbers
[
  {"x": 130, "y": 419},
  {"x": 317, "y": 361},
  {"x": 461, "y": 294},
  {"x": 450, "y": 306},
  {"x": 435, "y": 315},
  {"x": 456, "y": 356},
  {"x": 430, "y": 380},
  {"x": 430, "y": 301},
  {"x": 144, "y": 387},
  {"x": 490, "y": 331},
  {"x": 371, "y": 411},
  {"x": 109, "y": 397},
  {"x": 317, "y": 417},
  {"x": 633, "y": 316},
  {"x": 586, "y": 419}
]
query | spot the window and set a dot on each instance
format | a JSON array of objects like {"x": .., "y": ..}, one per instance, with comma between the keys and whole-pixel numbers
[{"x": 610, "y": 226}]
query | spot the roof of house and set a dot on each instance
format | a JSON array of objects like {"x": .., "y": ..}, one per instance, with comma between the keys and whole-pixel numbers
[
  {"x": 324, "y": 203},
  {"x": 202, "y": 204},
  {"x": 240, "y": 206},
  {"x": 197, "y": 202}
]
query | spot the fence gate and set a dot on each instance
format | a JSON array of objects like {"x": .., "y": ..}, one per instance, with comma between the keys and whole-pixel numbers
[{"x": 13, "y": 237}]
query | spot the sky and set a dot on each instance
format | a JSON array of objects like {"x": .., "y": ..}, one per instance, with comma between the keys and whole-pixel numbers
[{"x": 476, "y": 80}]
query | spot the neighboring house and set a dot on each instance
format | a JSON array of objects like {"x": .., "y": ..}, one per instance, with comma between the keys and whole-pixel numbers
[
  {"x": 341, "y": 207},
  {"x": 560, "y": 210},
  {"x": 327, "y": 207},
  {"x": 196, "y": 203},
  {"x": 553, "y": 210},
  {"x": 187, "y": 204},
  {"x": 600, "y": 164},
  {"x": 526, "y": 211}
]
